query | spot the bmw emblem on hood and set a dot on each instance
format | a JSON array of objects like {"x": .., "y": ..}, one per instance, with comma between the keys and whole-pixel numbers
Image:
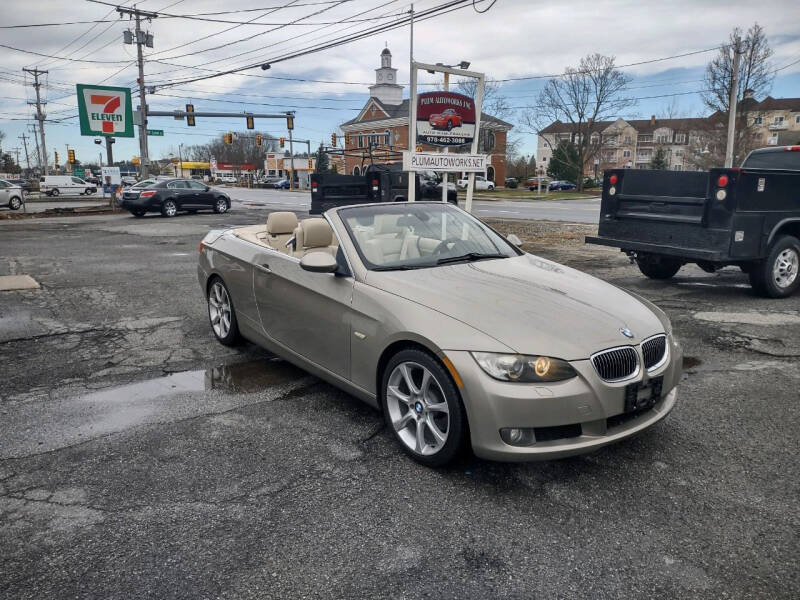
[{"x": 626, "y": 332}]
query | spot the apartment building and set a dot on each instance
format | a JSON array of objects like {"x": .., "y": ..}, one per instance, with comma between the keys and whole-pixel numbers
[{"x": 632, "y": 143}]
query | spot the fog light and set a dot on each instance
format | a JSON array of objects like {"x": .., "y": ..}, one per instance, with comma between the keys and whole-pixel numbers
[
  {"x": 518, "y": 436},
  {"x": 721, "y": 194},
  {"x": 612, "y": 190}
]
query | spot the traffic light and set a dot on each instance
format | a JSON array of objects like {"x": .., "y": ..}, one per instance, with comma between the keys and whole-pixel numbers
[
  {"x": 190, "y": 118},
  {"x": 229, "y": 138},
  {"x": 258, "y": 140},
  {"x": 56, "y": 156},
  {"x": 71, "y": 156},
  {"x": 333, "y": 140},
  {"x": 250, "y": 123},
  {"x": 283, "y": 142},
  {"x": 346, "y": 139},
  {"x": 310, "y": 164},
  {"x": 290, "y": 122}
]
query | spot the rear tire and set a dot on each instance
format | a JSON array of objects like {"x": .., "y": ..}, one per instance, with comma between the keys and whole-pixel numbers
[
  {"x": 416, "y": 418},
  {"x": 169, "y": 208},
  {"x": 776, "y": 276},
  {"x": 656, "y": 266},
  {"x": 221, "y": 313}
]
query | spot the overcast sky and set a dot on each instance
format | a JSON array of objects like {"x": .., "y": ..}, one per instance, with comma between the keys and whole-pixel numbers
[{"x": 515, "y": 38}]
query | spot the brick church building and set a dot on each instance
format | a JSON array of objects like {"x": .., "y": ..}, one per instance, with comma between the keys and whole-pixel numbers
[{"x": 384, "y": 122}]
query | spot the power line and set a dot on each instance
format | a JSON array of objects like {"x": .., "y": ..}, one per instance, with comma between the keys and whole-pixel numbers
[{"x": 263, "y": 103}]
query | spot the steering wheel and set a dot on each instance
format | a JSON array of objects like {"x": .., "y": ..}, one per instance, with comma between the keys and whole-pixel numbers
[{"x": 443, "y": 245}]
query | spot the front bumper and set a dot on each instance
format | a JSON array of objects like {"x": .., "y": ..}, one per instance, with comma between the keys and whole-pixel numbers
[{"x": 588, "y": 408}]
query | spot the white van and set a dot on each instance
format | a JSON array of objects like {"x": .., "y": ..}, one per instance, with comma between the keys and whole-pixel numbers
[{"x": 53, "y": 185}]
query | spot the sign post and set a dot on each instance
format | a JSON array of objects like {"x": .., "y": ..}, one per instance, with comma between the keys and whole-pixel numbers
[
  {"x": 445, "y": 119},
  {"x": 105, "y": 111}
]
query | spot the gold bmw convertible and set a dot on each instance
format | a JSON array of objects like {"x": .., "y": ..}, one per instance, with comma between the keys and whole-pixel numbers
[{"x": 449, "y": 329}]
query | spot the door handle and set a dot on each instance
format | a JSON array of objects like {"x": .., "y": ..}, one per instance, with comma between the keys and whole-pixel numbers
[{"x": 264, "y": 267}]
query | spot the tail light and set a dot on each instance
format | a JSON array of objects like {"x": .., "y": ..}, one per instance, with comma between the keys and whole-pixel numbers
[
  {"x": 313, "y": 186},
  {"x": 613, "y": 179},
  {"x": 374, "y": 185},
  {"x": 202, "y": 245},
  {"x": 147, "y": 194},
  {"x": 722, "y": 181},
  {"x": 792, "y": 148}
]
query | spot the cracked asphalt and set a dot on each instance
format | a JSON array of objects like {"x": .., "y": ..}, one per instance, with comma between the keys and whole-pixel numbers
[{"x": 141, "y": 459}]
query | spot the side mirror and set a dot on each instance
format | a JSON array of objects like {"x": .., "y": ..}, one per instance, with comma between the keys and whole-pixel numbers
[
  {"x": 319, "y": 262},
  {"x": 207, "y": 188},
  {"x": 514, "y": 239}
]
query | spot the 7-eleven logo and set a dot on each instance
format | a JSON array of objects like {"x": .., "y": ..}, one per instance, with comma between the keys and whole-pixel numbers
[{"x": 105, "y": 111}]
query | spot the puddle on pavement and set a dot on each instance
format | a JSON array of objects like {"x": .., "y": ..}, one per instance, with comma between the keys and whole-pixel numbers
[
  {"x": 244, "y": 377},
  {"x": 690, "y": 362}
]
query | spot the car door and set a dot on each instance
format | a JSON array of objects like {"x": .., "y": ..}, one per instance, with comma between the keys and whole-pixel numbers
[
  {"x": 200, "y": 196},
  {"x": 5, "y": 195},
  {"x": 307, "y": 312},
  {"x": 177, "y": 192}
]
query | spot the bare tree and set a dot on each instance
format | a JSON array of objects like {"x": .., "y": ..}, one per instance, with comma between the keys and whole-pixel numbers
[
  {"x": 755, "y": 70},
  {"x": 494, "y": 102},
  {"x": 582, "y": 97},
  {"x": 755, "y": 80},
  {"x": 243, "y": 149}
]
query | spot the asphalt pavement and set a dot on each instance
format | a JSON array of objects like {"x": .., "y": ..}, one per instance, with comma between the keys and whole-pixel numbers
[{"x": 140, "y": 458}]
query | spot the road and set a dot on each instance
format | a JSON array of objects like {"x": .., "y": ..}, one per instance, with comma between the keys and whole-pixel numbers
[
  {"x": 576, "y": 211},
  {"x": 141, "y": 459}
]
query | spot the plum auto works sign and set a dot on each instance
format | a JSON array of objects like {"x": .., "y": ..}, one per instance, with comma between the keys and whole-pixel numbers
[
  {"x": 445, "y": 119},
  {"x": 105, "y": 110},
  {"x": 433, "y": 161}
]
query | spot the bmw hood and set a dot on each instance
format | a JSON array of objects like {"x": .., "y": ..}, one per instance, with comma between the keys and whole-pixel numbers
[{"x": 531, "y": 305}]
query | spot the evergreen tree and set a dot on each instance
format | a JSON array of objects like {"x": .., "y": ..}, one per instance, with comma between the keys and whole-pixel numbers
[
  {"x": 323, "y": 164},
  {"x": 659, "y": 160},
  {"x": 564, "y": 163}
]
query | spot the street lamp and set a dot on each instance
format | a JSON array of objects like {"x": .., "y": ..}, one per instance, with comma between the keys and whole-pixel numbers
[{"x": 596, "y": 162}]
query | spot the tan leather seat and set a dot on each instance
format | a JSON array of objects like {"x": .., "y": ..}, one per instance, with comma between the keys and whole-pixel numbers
[
  {"x": 280, "y": 229},
  {"x": 314, "y": 235}
]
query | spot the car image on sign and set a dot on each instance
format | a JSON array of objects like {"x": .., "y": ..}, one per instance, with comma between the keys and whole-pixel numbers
[{"x": 445, "y": 120}]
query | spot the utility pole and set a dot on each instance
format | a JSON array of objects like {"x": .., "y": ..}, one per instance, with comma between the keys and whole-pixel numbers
[
  {"x": 24, "y": 139},
  {"x": 16, "y": 151},
  {"x": 141, "y": 38},
  {"x": 40, "y": 116},
  {"x": 737, "y": 53},
  {"x": 38, "y": 153},
  {"x": 291, "y": 161}
]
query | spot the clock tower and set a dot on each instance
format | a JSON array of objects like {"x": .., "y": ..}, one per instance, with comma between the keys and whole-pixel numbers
[{"x": 386, "y": 88}]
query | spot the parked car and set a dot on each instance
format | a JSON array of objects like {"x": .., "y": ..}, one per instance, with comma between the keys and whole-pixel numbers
[
  {"x": 11, "y": 194},
  {"x": 748, "y": 217},
  {"x": 54, "y": 185},
  {"x": 93, "y": 180},
  {"x": 25, "y": 184},
  {"x": 227, "y": 179},
  {"x": 282, "y": 184},
  {"x": 424, "y": 312},
  {"x": 559, "y": 186},
  {"x": 532, "y": 183},
  {"x": 170, "y": 197},
  {"x": 481, "y": 183},
  {"x": 447, "y": 119},
  {"x": 128, "y": 180}
]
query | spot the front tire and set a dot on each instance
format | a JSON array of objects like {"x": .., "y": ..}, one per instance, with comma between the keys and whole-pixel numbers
[
  {"x": 169, "y": 208},
  {"x": 656, "y": 266},
  {"x": 54, "y": 192},
  {"x": 422, "y": 408},
  {"x": 15, "y": 203},
  {"x": 776, "y": 276},
  {"x": 221, "y": 313},
  {"x": 221, "y": 206}
]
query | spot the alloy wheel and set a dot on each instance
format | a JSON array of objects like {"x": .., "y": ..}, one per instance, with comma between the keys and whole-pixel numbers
[
  {"x": 222, "y": 206},
  {"x": 784, "y": 270},
  {"x": 15, "y": 204},
  {"x": 219, "y": 309},
  {"x": 170, "y": 209},
  {"x": 418, "y": 408}
]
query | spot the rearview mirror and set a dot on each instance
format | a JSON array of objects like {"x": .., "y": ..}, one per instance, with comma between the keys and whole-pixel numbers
[
  {"x": 514, "y": 239},
  {"x": 319, "y": 262}
]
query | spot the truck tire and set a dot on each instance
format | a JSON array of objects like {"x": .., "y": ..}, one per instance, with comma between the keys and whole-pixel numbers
[
  {"x": 656, "y": 266},
  {"x": 776, "y": 276}
]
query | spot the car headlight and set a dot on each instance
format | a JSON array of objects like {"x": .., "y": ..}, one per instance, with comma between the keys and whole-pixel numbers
[{"x": 524, "y": 368}]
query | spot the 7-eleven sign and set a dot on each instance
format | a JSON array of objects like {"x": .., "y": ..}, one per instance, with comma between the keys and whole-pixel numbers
[{"x": 105, "y": 110}]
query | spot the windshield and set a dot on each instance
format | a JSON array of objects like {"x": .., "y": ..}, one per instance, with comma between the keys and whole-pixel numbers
[
  {"x": 418, "y": 235},
  {"x": 774, "y": 159}
]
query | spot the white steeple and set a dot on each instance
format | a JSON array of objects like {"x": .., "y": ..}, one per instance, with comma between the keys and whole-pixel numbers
[{"x": 386, "y": 89}]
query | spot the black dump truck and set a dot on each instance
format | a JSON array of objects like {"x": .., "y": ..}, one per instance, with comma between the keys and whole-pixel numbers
[
  {"x": 747, "y": 216},
  {"x": 380, "y": 183}
]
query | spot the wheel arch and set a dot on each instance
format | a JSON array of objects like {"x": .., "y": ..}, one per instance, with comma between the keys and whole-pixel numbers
[{"x": 790, "y": 226}]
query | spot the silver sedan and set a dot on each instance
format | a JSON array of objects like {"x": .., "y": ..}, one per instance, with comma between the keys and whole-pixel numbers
[{"x": 449, "y": 329}]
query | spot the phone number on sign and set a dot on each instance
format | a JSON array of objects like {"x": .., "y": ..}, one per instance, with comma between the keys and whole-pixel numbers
[{"x": 455, "y": 141}]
